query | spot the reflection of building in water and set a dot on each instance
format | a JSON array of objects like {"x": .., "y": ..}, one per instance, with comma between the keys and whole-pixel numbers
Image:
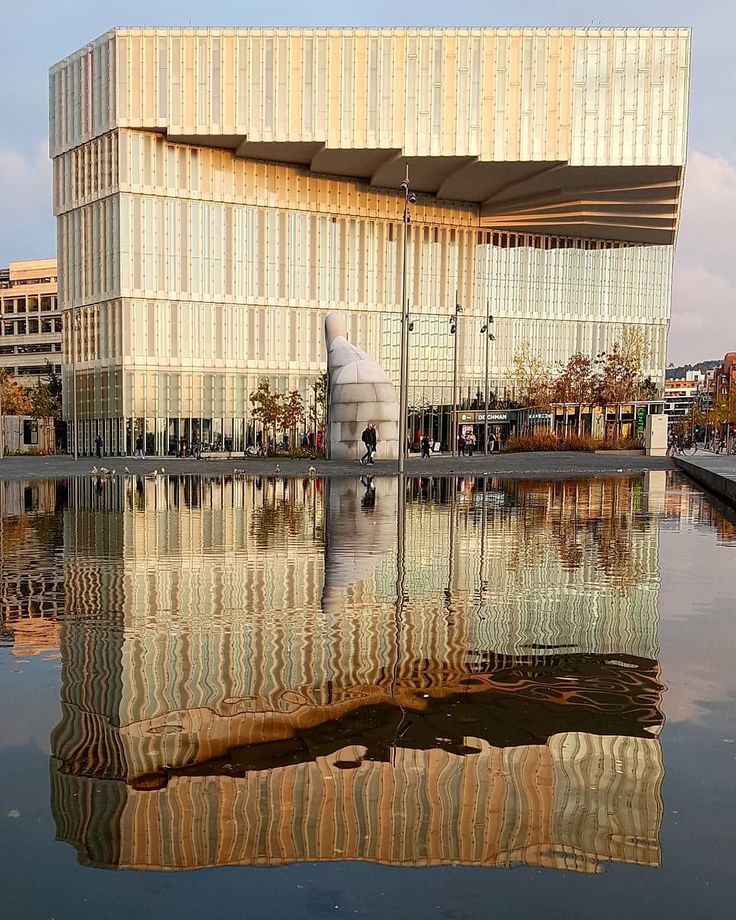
[
  {"x": 230, "y": 697},
  {"x": 31, "y": 577},
  {"x": 571, "y": 803},
  {"x": 685, "y": 508},
  {"x": 565, "y": 564}
]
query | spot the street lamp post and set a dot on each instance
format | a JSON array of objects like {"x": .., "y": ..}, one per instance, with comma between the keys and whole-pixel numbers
[
  {"x": 409, "y": 198},
  {"x": 489, "y": 337},
  {"x": 454, "y": 331},
  {"x": 75, "y": 322},
  {"x": 726, "y": 388}
]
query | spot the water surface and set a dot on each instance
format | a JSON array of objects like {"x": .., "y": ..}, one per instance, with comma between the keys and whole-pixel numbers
[{"x": 366, "y": 700}]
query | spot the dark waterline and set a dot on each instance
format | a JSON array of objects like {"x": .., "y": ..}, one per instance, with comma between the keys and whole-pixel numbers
[{"x": 471, "y": 695}]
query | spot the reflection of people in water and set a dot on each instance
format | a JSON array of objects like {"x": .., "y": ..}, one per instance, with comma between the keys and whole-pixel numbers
[{"x": 368, "y": 501}]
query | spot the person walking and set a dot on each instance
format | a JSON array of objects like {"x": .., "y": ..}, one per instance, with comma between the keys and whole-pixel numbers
[
  {"x": 461, "y": 445},
  {"x": 370, "y": 440},
  {"x": 138, "y": 455},
  {"x": 98, "y": 445},
  {"x": 470, "y": 443},
  {"x": 425, "y": 448}
]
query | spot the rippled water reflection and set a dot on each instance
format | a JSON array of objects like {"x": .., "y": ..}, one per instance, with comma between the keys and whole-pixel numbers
[{"x": 259, "y": 672}]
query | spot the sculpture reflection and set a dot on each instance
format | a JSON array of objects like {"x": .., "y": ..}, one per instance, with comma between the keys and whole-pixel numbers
[
  {"x": 226, "y": 704},
  {"x": 360, "y": 532}
]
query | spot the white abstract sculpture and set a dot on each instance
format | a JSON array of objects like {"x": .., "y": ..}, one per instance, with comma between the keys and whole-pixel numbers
[{"x": 360, "y": 392}]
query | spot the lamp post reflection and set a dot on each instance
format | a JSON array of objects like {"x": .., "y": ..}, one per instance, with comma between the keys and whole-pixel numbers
[{"x": 400, "y": 596}]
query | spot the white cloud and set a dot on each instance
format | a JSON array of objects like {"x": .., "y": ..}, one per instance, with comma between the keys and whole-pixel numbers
[
  {"x": 704, "y": 288},
  {"x": 27, "y": 225}
]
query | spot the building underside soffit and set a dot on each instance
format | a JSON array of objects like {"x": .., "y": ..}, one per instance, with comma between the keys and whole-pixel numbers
[{"x": 628, "y": 203}]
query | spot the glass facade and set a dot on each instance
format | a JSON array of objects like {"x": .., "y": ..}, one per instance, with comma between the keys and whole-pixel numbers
[{"x": 190, "y": 267}]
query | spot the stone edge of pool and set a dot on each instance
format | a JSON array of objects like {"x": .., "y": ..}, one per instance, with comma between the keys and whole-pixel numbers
[
  {"x": 518, "y": 465},
  {"x": 714, "y": 472}
]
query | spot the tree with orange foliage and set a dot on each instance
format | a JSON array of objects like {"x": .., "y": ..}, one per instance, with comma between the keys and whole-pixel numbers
[
  {"x": 14, "y": 399},
  {"x": 576, "y": 381}
]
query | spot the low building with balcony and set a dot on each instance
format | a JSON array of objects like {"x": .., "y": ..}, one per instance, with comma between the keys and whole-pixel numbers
[{"x": 30, "y": 321}]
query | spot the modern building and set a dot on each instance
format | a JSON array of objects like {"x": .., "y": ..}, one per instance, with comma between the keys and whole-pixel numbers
[
  {"x": 30, "y": 320},
  {"x": 218, "y": 191}
]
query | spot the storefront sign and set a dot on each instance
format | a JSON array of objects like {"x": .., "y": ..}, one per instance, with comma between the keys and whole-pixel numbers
[
  {"x": 641, "y": 419},
  {"x": 478, "y": 418}
]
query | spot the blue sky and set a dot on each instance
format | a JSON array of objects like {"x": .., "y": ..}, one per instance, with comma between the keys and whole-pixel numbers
[{"x": 37, "y": 33}]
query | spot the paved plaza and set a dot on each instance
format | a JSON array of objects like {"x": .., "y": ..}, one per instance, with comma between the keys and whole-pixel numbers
[{"x": 558, "y": 464}]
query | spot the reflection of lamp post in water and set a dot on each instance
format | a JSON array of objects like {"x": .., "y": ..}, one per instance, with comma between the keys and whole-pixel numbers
[
  {"x": 482, "y": 559},
  {"x": 450, "y": 547},
  {"x": 400, "y": 594},
  {"x": 409, "y": 198},
  {"x": 485, "y": 330},
  {"x": 454, "y": 332}
]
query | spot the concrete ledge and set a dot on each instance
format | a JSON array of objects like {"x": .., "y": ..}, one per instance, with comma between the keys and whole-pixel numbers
[
  {"x": 723, "y": 486},
  {"x": 638, "y": 452},
  {"x": 534, "y": 465}
]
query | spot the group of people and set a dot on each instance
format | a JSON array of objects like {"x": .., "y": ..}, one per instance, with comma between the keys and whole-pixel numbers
[{"x": 467, "y": 444}]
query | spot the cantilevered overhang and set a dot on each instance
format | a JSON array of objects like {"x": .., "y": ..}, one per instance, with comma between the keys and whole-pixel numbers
[
  {"x": 628, "y": 203},
  {"x": 567, "y": 131}
]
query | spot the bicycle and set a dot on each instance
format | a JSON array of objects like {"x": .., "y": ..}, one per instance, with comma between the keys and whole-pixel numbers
[{"x": 687, "y": 446}]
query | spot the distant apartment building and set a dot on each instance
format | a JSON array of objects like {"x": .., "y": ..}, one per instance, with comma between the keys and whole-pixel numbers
[
  {"x": 724, "y": 377},
  {"x": 30, "y": 320},
  {"x": 679, "y": 395}
]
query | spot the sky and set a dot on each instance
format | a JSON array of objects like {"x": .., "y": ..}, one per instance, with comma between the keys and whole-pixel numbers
[{"x": 37, "y": 33}]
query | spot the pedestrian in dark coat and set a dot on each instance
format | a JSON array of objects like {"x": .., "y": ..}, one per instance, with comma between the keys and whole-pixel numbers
[{"x": 370, "y": 440}]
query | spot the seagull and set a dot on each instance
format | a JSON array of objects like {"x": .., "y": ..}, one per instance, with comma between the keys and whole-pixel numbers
[
  {"x": 127, "y": 470},
  {"x": 278, "y": 470},
  {"x": 312, "y": 471}
]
